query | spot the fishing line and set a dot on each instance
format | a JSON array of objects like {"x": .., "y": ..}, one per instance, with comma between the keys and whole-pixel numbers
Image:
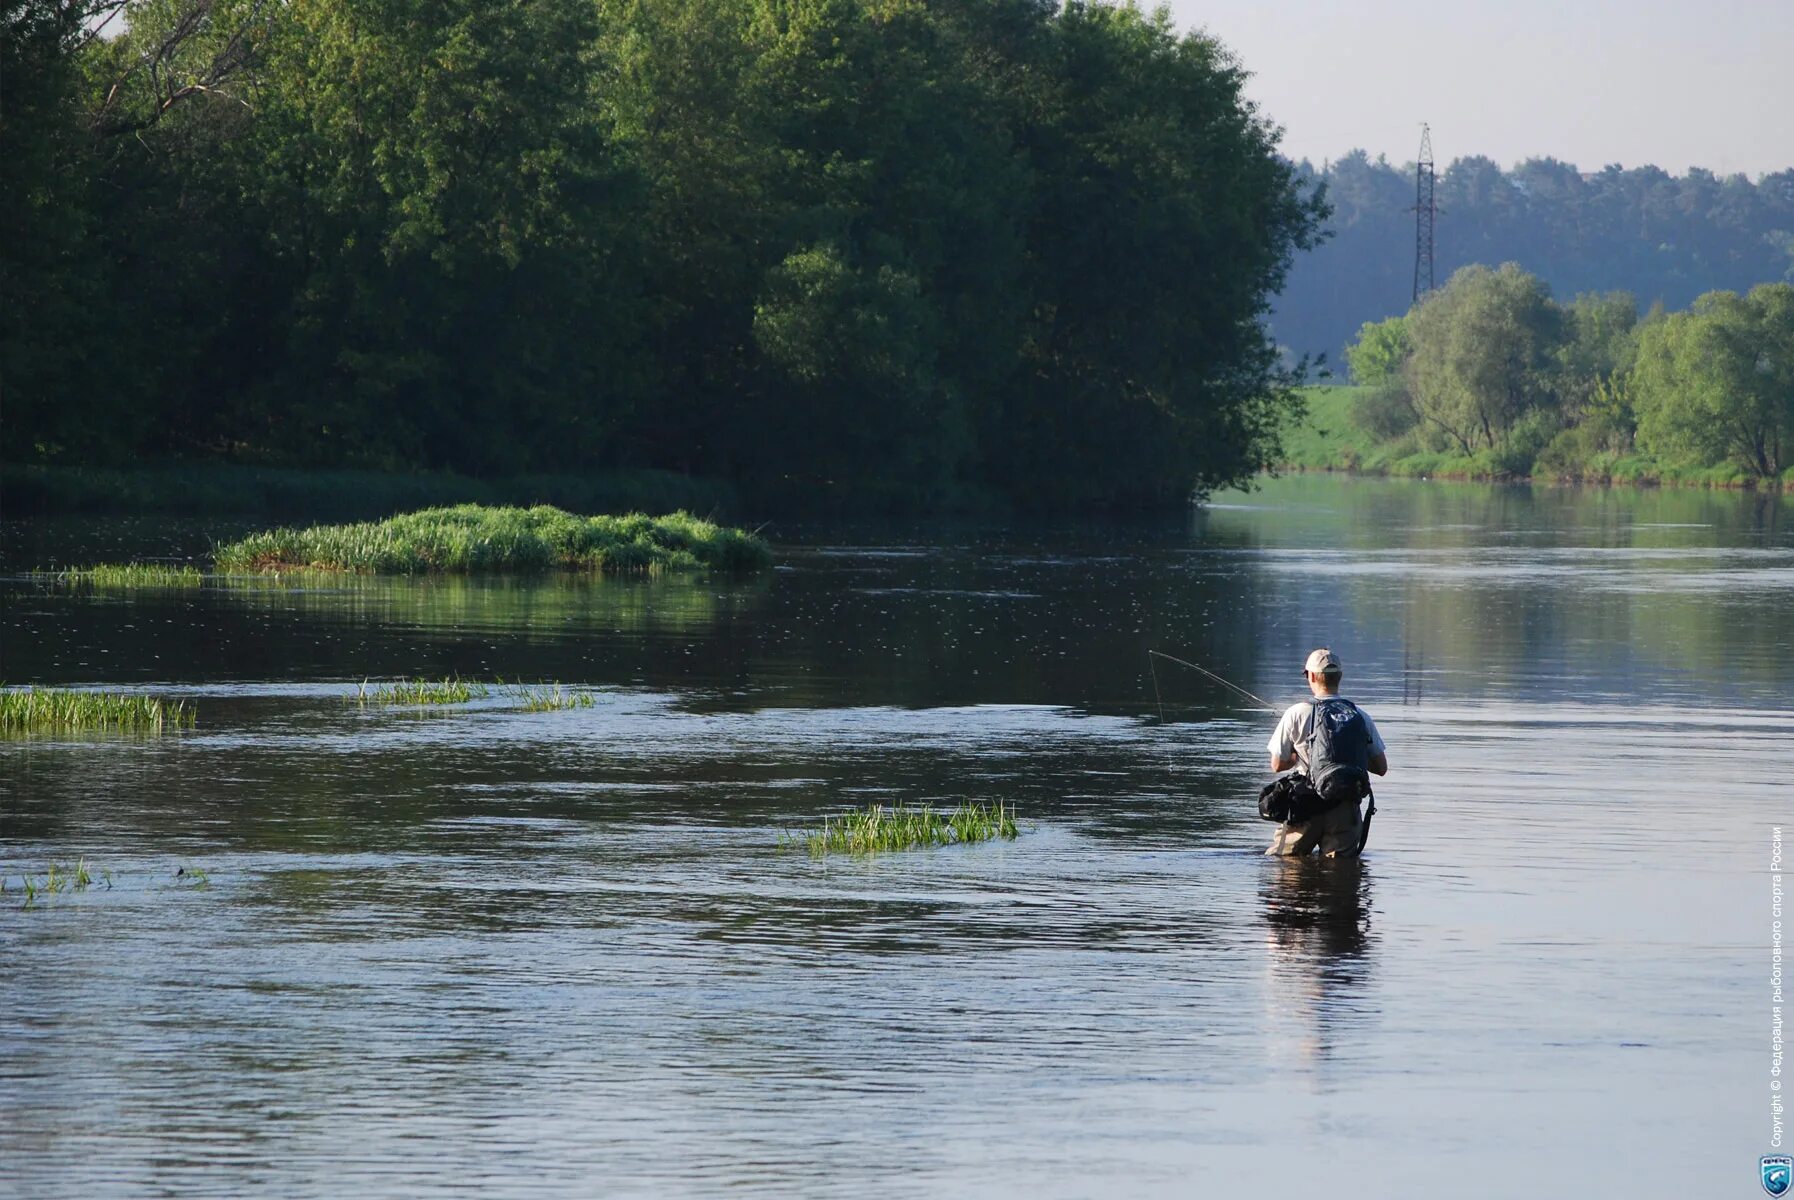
[
  {"x": 1262, "y": 702},
  {"x": 1157, "y": 699}
]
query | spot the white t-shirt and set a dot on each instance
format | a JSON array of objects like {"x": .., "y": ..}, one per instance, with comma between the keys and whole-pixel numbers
[{"x": 1296, "y": 726}]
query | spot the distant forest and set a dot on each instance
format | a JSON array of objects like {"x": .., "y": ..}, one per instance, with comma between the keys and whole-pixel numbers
[
  {"x": 908, "y": 252},
  {"x": 1663, "y": 238}
]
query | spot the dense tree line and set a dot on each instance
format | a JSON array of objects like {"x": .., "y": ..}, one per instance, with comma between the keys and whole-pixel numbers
[
  {"x": 1665, "y": 239},
  {"x": 1494, "y": 372},
  {"x": 900, "y": 246}
]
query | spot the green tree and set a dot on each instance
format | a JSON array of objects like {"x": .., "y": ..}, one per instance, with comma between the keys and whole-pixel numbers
[
  {"x": 1717, "y": 383},
  {"x": 1161, "y": 221},
  {"x": 1380, "y": 351},
  {"x": 455, "y": 235},
  {"x": 909, "y": 245},
  {"x": 52, "y": 274},
  {"x": 1594, "y": 365},
  {"x": 1483, "y": 355}
]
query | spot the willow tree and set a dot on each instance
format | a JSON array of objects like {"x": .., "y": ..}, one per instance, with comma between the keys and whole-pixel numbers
[
  {"x": 1716, "y": 383},
  {"x": 1482, "y": 355}
]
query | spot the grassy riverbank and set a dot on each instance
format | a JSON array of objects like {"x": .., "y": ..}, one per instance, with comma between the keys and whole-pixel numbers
[
  {"x": 293, "y": 494},
  {"x": 1331, "y": 437},
  {"x": 473, "y": 538}
]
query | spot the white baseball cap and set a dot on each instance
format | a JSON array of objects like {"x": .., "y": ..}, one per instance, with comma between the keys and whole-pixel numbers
[{"x": 1323, "y": 661}]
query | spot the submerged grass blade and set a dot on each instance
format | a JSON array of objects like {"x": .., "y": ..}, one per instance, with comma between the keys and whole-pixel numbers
[
  {"x": 877, "y": 828},
  {"x": 60, "y": 710}
]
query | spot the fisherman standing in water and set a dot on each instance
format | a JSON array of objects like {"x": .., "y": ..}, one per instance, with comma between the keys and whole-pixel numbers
[{"x": 1333, "y": 742}]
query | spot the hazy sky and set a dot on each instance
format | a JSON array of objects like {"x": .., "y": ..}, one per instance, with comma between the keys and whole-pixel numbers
[{"x": 1678, "y": 83}]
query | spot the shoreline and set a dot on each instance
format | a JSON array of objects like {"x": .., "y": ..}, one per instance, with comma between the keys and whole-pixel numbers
[
  {"x": 337, "y": 493},
  {"x": 1328, "y": 438},
  {"x": 1785, "y": 488}
]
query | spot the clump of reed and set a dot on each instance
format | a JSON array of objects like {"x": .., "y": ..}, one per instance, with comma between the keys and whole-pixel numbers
[
  {"x": 127, "y": 575},
  {"x": 61, "y": 710},
  {"x": 548, "y": 697},
  {"x": 900, "y": 827},
  {"x": 478, "y": 538},
  {"x": 59, "y": 878},
  {"x": 419, "y": 691}
]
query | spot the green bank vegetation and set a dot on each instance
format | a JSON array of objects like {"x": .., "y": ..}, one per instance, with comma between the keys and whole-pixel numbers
[
  {"x": 876, "y": 828},
  {"x": 894, "y": 253},
  {"x": 1490, "y": 378},
  {"x": 473, "y": 538},
  {"x": 62, "y": 710}
]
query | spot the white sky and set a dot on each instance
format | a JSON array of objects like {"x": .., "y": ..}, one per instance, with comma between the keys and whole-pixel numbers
[{"x": 1678, "y": 83}]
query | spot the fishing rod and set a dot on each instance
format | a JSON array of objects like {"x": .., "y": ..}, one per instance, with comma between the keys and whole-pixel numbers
[{"x": 1262, "y": 702}]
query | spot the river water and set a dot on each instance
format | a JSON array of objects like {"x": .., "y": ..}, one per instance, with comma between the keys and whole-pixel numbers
[{"x": 563, "y": 953}]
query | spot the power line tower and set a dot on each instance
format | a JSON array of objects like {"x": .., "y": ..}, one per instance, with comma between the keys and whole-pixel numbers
[{"x": 1424, "y": 212}]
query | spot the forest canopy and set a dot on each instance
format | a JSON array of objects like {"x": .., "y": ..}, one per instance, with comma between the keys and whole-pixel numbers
[
  {"x": 889, "y": 247},
  {"x": 1663, "y": 238}
]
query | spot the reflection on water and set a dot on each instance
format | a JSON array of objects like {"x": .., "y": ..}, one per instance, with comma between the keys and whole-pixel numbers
[
  {"x": 561, "y": 953},
  {"x": 1318, "y": 940}
]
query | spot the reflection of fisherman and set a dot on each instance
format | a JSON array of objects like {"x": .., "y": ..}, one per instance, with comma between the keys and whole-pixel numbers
[
  {"x": 1336, "y": 831},
  {"x": 1320, "y": 952}
]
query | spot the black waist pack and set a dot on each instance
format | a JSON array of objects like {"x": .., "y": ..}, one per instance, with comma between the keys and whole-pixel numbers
[{"x": 1291, "y": 799}]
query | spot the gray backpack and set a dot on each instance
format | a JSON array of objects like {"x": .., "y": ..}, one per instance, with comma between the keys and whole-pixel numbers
[{"x": 1339, "y": 751}]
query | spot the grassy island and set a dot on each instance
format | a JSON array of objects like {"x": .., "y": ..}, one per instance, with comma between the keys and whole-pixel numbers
[{"x": 477, "y": 538}]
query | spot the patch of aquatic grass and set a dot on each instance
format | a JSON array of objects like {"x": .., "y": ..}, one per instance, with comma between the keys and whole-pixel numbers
[
  {"x": 127, "y": 575},
  {"x": 548, "y": 697},
  {"x": 58, "y": 879},
  {"x": 60, "y": 710},
  {"x": 419, "y": 691},
  {"x": 876, "y": 828},
  {"x": 475, "y": 538}
]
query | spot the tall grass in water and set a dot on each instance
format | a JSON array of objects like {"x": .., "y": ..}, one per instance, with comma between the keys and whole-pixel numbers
[
  {"x": 550, "y": 697},
  {"x": 59, "y": 710},
  {"x": 472, "y": 537},
  {"x": 60, "y": 878},
  {"x": 875, "y": 828},
  {"x": 127, "y": 575},
  {"x": 420, "y": 691}
]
